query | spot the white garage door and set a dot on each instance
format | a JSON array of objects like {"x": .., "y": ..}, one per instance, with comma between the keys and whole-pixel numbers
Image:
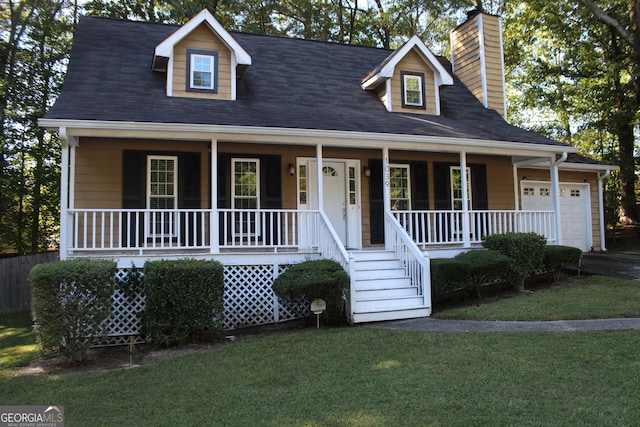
[{"x": 575, "y": 218}]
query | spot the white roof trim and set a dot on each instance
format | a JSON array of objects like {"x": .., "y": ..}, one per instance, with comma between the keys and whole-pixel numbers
[
  {"x": 442, "y": 77},
  {"x": 165, "y": 49},
  {"x": 183, "y": 131}
]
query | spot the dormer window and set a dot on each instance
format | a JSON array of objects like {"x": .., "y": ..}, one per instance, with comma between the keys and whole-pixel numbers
[
  {"x": 413, "y": 90},
  {"x": 202, "y": 71}
]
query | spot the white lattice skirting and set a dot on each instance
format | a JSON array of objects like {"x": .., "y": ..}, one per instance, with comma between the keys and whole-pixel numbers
[{"x": 248, "y": 301}]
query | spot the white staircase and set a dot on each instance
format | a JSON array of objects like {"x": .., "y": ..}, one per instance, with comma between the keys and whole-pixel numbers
[{"x": 382, "y": 290}]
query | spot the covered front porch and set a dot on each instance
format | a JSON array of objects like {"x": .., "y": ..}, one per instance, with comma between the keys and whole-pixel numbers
[{"x": 270, "y": 207}]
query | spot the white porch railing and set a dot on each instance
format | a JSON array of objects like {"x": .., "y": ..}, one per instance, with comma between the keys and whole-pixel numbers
[
  {"x": 442, "y": 227},
  {"x": 412, "y": 258},
  {"x": 147, "y": 230}
]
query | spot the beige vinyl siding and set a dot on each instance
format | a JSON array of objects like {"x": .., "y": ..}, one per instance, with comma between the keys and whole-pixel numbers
[
  {"x": 413, "y": 62},
  {"x": 573, "y": 177},
  {"x": 98, "y": 178},
  {"x": 202, "y": 38},
  {"x": 467, "y": 64},
  {"x": 493, "y": 63}
]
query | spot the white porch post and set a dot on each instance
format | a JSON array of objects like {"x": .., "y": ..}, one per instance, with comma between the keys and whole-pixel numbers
[
  {"x": 67, "y": 190},
  {"x": 64, "y": 198},
  {"x": 516, "y": 188},
  {"x": 555, "y": 194},
  {"x": 319, "y": 176},
  {"x": 601, "y": 219},
  {"x": 386, "y": 192},
  {"x": 466, "y": 231},
  {"x": 214, "y": 222}
]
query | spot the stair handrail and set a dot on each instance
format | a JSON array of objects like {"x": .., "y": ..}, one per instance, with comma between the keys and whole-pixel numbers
[
  {"x": 414, "y": 261},
  {"x": 333, "y": 248}
]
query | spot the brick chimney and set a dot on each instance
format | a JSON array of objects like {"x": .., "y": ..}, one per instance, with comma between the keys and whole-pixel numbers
[{"x": 478, "y": 59}]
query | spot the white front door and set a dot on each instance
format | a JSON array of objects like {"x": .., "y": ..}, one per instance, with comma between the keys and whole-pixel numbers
[{"x": 341, "y": 195}]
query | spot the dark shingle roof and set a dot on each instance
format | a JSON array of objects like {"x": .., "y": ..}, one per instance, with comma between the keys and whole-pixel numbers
[{"x": 292, "y": 83}]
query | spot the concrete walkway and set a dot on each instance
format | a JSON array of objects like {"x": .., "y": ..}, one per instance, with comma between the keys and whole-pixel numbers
[
  {"x": 442, "y": 325},
  {"x": 624, "y": 265}
]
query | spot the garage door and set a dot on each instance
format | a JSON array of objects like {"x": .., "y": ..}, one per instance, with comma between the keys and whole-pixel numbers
[{"x": 575, "y": 216}]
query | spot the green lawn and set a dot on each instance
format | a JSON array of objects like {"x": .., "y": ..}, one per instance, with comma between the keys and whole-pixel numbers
[
  {"x": 595, "y": 297},
  {"x": 360, "y": 376},
  {"x": 363, "y": 376}
]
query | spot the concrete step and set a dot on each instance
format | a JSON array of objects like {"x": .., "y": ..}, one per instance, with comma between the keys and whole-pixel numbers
[
  {"x": 387, "y": 303},
  {"x": 378, "y": 316},
  {"x": 383, "y": 293}
]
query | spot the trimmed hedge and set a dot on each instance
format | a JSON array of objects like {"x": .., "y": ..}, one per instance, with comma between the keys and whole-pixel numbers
[
  {"x": 310, "y": 280},
  {"x": 184, "y": 299},
  {"x": 526, "y": 251},
  {"x": 469, "y": 271},
  {"x": 70, "y": 301},
  {"x": 557, "y": 257}
]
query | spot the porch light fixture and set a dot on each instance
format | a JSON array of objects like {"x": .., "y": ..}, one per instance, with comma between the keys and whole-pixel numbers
[
  {"x": 367, "y": 171},
  {"x": 292, "y": 169}
]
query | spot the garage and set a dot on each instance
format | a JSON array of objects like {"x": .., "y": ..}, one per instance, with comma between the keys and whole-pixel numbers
[{"x": 575, "y": 213}]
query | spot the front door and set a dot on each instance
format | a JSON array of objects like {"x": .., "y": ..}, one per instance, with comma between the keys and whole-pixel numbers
[{"x": 341, "y": 194}]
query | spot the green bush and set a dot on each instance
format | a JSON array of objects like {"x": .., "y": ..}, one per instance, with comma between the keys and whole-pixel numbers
[
  {"x": 184, "y": 299},
  {"x": 526, "y": 251},
  {"x": 557, "y": 256},
  {"x": 469, "y": 271},
  {"x": 310, "y": 280},
  {"x": 70, "y": 301}
]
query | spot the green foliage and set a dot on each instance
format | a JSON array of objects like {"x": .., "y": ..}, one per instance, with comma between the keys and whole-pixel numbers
[
  {"x": 184, "y": 299},
  {"x": 557, "y": 256},
  {"x": 526, "y": 251},
  {"x": 70, "y": 301},
  {"x": 325, "y": 279},
  {"x": 469, "y": 271}
]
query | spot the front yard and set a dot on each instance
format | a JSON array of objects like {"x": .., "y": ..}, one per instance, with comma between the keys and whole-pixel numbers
[{"x": 359, "y": 376}]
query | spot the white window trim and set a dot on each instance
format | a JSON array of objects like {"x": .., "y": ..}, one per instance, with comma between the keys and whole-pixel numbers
[
  {"x": 212, "y": 64},
  {"x": 408, "y": 169},
  {"x": 234, "y": 197},
  {"x": 149, "y": 229},
  {"x": 419, "y": 78},
  {"x": 469, "y": 192}
]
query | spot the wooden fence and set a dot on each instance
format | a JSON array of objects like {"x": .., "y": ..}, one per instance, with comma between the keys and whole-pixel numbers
[{"x": 15, "y": 295}]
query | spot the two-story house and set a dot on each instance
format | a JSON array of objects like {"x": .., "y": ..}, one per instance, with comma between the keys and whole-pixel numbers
[{"x": 262, "y": 151}]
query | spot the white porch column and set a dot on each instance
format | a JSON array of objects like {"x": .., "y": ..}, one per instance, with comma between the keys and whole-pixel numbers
[
  {"x": 386, "y": 192},
  {"x": 67, "y": 190},
  {"x": 516, "y": 188},
  {"x": 214, "y": 221},
  {"x": 319, "y": 176},
  {"x": 64, "y": 198},
  {"x": 601, "y": 219},
  {"x": 466, "y": 231},
  {"x": 555, "y": 194}
]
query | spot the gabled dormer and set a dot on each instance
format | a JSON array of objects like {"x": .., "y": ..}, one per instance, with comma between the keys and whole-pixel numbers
[
  {"x": 201, "y": 60},
  {"x": 409, "y": 79}
]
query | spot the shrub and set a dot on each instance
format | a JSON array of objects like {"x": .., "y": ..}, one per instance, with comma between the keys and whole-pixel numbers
[
  {"x": 526, "y": 251},
  {"x": 70, "y": 301},
  {"x": 310, "y": 280},
  {"x": 557, "y": 256},
  {"x": 184, "y": 299},
  {"x": 468, "y": 271}
]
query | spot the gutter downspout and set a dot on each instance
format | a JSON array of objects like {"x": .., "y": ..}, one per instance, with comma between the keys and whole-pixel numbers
[
  {"x": 555, "y": 186},
  {"x": 603, "y": 236}
]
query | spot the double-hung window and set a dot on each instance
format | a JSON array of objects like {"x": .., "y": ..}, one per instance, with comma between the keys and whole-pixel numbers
[
  {"x": 246, "y": 196},
  {"x": 202, "y": 70},
  {"x": 162, "y": 195},
  {"x": 400, "y": 191},
  {"x": 456, "y": 188},
  {"x": 412, "y": 89}
]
